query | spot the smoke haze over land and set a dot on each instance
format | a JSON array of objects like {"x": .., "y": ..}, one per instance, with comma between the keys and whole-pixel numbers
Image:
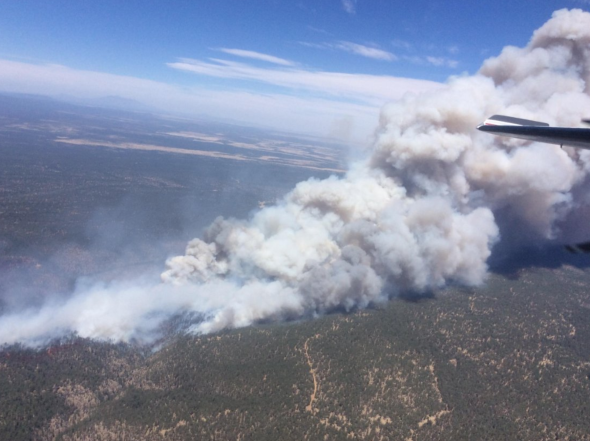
[{"x": 427, "y": 207}]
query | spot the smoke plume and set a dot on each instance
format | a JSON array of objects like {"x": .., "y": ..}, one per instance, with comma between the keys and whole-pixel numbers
[{"x": 426, "y": 208}]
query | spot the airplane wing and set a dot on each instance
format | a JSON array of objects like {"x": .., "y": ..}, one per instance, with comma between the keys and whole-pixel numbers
[
  {"x": 536, "y": 131},
  {"x": 541, "y": 132}
]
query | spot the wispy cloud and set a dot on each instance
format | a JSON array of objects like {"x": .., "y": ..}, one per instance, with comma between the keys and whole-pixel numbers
[
  {"x": 377, "y": 53},
  {"x": 411, "y": 54},
  {"x": 442, "y": 62},
  {"x": 258, "y": 56},
  {"x": 365, "y": 51},
  {"x": 430, "y": 60},
  {"x": 373, "y": 89},
  {"x": 355, "y": 48},
  {"x": 349, "y": 6}
]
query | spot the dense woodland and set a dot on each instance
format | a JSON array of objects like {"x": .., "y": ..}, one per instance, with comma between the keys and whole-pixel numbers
[{"x": 507, "y": 361}]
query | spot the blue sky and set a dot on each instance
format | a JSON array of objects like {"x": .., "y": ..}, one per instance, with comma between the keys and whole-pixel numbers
[{"x": 312, "y": 66}]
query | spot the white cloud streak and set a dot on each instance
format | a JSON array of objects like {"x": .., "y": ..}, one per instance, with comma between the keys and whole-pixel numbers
[
  {"x": 431, "y": 60},
  {"x": 364, "y": 51},
  {"x": 258, "y": 56},
  {"x": 383, "y": 55},
  {"x": 370, "y": 89},
  {"x": 442, "y": 61},
  {"x": 355, "y": 48}
]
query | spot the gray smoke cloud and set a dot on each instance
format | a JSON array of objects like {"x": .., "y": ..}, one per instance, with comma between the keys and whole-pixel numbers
[{"x": 424, "y": 209}]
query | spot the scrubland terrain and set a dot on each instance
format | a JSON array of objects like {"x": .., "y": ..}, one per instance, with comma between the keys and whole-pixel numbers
[{"x": 507, "y": 361}]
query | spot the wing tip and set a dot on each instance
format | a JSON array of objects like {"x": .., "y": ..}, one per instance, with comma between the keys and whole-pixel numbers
[
  {"x": 503, "y": 120},
  {"x": 579, "y": 248}
]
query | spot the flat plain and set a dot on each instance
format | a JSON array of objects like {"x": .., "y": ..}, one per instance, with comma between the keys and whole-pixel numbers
[{"x": 84, "y": 187}]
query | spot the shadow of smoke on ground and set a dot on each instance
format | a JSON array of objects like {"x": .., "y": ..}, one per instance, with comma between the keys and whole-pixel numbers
[
  {"x": 417, "y": 297},
  {"x": 510, "y": 264}
]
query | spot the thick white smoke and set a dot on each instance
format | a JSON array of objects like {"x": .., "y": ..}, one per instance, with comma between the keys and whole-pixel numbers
[{"x": 424, "y": 209}]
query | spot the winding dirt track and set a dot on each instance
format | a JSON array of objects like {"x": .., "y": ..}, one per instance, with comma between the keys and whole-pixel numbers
[{"x": 309, "y": 407}]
